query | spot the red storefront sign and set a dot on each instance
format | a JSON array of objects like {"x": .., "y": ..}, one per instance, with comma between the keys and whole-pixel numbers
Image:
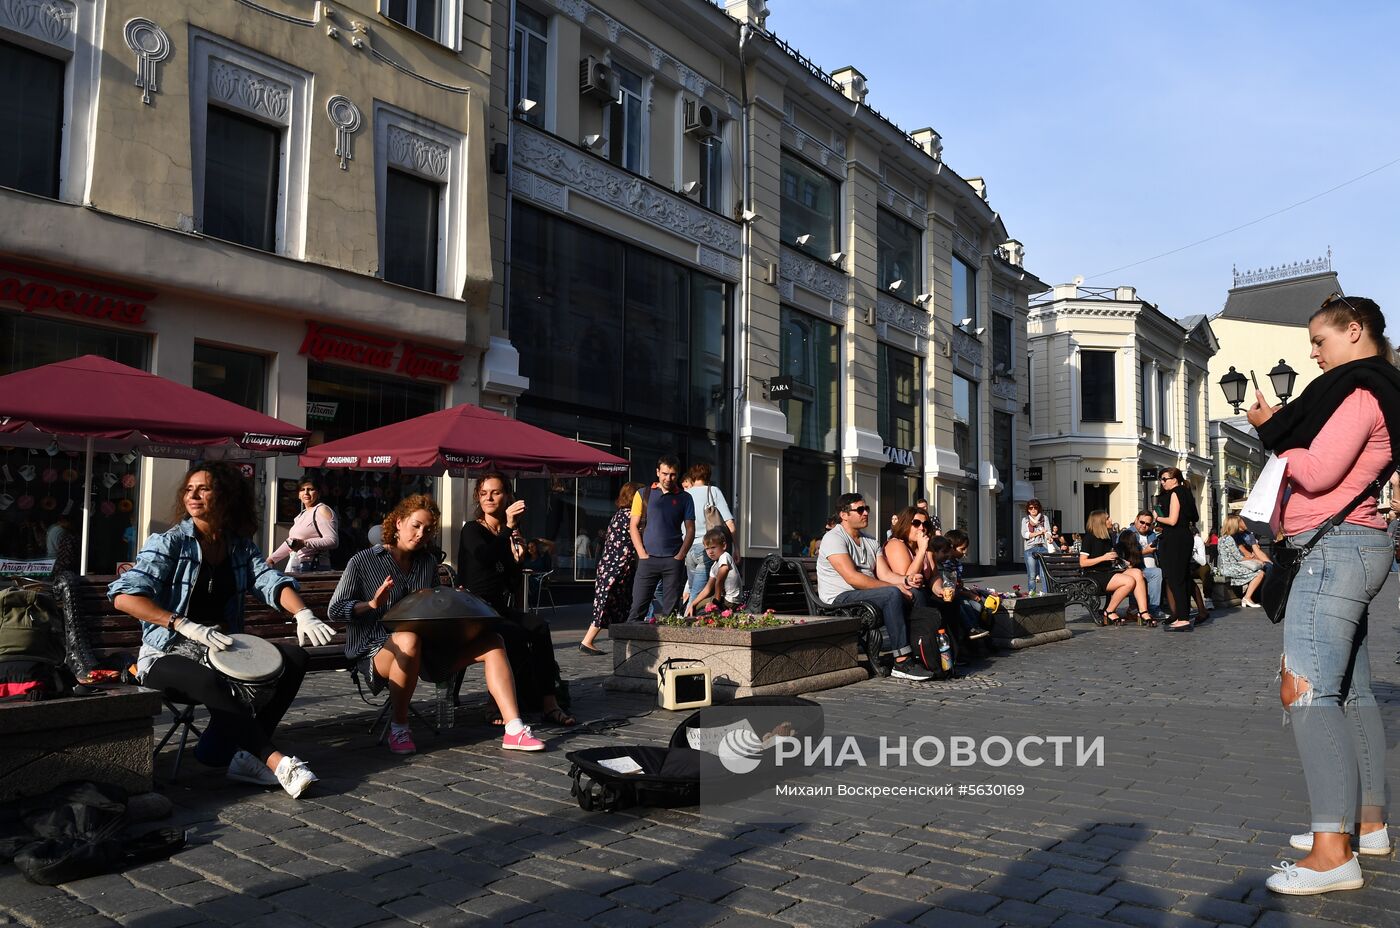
[
  {"x": 78, "y": 296},
  {"x": 334, "y": 343}
]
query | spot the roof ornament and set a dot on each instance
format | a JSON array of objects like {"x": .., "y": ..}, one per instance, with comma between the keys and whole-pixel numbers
[{"x": 1319, "y": 265}]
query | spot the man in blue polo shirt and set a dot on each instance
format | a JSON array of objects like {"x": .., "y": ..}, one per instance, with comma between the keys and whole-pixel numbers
[{"x": 663, "y": 526}]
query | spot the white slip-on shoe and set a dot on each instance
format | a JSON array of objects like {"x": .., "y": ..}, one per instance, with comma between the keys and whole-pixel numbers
[
  {"x": 1293, "y": 880},
  {"x": 294, "y": 775},
  {"x": 1375, "y": 844},
  {"x": 245, "y": 768}
]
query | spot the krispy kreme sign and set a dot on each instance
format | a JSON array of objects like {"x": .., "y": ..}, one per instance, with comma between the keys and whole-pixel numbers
[{"x": 347, "y": 346}]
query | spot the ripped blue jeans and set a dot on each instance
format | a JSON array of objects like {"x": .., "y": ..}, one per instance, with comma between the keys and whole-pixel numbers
[{"x": 1336, "y": 721}]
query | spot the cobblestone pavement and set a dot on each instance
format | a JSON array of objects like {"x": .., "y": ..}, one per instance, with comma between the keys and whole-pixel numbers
[{"x": 1200, "y": 789}]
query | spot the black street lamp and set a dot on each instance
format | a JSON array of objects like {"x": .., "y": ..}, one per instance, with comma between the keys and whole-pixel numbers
[
  {"x": 1282, "y": 377},
  {"x": 1234, "y": 384}
]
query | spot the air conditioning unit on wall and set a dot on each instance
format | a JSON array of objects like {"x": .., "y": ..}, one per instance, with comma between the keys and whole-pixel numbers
[
  {"x": 701, "y": 121},
  {"x": 596, "y": 79}
]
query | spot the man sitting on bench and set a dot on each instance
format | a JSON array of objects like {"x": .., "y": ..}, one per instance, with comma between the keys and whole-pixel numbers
[{"x": 851, "y": 568}]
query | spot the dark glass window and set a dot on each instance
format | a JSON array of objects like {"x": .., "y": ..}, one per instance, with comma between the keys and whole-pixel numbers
[
  {"x": 810, "y": 207},
  {"x": 898, "y": 256},
  {"x": 712, "y": 173},
  {"x": 656, "y": 349},
  {"x": 1096, "y": 386},
  {"x": 809, "y": 355},
  {"x": 965, "y": 422},
  {"x": 811, "y": 483},
  {"x": 964, "y": 293},
  {"x": 411, "y": 231},
  {"x": 31, "y": 110},
  {"x": 242, "y": 174},
  {"x": 625, "y": 122},
  {"x": 1007, "y": 521},
  {"x": 1002, "y": 355},
  {"x": 900, "y": 412},
  {"x": 530, "y": 74},
  {"x": 418, "y": 15},
  {"x": 237, "y": 376}
]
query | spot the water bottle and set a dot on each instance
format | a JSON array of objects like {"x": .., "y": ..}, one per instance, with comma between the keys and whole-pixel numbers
[{"x": 945, "y": 652}]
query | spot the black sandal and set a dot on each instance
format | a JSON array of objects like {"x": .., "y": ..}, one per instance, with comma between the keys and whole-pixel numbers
[
  {"x": 1146, "y": 619},
  {"x": 1111, "y": 618}
]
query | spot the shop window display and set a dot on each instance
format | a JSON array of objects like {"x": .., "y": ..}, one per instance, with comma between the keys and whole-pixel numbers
[{"x": 38, "y": 489}]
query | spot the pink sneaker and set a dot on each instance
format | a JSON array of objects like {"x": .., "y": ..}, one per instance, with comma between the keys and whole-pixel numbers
[
  {"x": 401, "y": 742},
  {"x": 522, "y": 742}
]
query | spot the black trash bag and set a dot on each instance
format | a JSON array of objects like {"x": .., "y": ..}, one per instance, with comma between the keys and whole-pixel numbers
[{"x": 78, "y": 830}]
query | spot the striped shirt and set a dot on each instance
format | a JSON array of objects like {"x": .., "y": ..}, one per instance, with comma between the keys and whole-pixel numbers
[{"x": 358, "y": 582}]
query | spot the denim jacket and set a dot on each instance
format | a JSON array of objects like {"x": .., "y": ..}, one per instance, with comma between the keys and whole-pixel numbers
[{"x": 166, "y": 570}]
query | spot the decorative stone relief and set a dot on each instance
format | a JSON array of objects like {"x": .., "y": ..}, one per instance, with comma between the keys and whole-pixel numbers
[
  {"x": 719, "y": 263},
  {"x": 50, "y": 21},
  {"x": 580, "y": 171},
  {"x": 248, "y": 90},
  {"x": 901, "y": 315},
  {"x": 899, "y": 202},
  {"x": 152, "y": 46},
  {"x": 813, "y": 275},
  {"x": 577, "y": 10},
  {"x": 417, "y": 153},
  {"x": 538, "y": 188},
  {"x": 967, "y": 347},
  {"x": 1004, "y": 388},
  {"x": 346, "y": 118},
  {"x": 803, "y": 141},
  {"x": 964, "y": 244}
]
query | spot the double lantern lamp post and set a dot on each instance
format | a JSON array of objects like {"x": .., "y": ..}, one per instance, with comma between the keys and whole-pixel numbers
[{"x": 1282, "y": 378}]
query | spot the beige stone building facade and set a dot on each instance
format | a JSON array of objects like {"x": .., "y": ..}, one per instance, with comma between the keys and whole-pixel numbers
[
  {"x": 718, "y": 249},
  {"x": 293, "y": 193},
  {"x": 1118, "y": 391}
]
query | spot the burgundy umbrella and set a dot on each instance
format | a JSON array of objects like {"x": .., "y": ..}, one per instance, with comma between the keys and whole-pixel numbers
[
  {"x": 465, "y": 438},
  {"x": 92, "y": 404}
]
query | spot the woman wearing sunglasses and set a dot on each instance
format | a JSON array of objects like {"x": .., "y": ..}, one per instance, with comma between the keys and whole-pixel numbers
[
  {"x": 907, "y": 552},
  {"x": 1339, "y": 440},
  {"x": 1036, "y": 540}
]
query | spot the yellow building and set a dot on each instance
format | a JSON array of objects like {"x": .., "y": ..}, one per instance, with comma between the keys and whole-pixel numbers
[{"x": 289, "y": 197}]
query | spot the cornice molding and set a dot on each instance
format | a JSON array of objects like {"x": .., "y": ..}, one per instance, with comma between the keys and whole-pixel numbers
[
  {"x": 812, "y": 275},
  {"x": 53, "y": 22}
]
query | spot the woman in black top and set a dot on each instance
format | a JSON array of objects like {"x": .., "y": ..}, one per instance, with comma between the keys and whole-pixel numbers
[
  {"x": 1097, "y": 556},
  {"x": 488, "y": 564},
  {"x": 1174, "y": 546}
]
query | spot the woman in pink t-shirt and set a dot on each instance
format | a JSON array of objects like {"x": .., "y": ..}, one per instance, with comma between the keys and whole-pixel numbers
[{"x": 1338, "y": 439}]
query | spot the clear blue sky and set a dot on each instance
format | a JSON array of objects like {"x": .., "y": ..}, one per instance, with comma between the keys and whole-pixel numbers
[{"x": 1110, "y": 132}]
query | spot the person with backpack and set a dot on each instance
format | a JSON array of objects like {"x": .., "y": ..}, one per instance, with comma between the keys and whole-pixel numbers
[
  {"x": 662, "y": 528},
  {"x": 711, "y": 512}
]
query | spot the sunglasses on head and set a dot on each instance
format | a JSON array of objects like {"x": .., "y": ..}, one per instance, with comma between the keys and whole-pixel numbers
[
  {"x": 861, "y": 510},
  {"x": 1338, "y": 297}
]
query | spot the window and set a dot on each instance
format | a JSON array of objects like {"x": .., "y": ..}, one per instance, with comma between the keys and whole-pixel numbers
[
  {"x": 808, "y": 354},
  {"x": 712, "y": 173},
  {"x": 1192, "y": 408},
  {"x": 1164, "y": 408},
  {"x": 964, "y": 293},
  {"x": 1096, "y": 386},
  {"x": 1003, "y": 459},
  {"x": 899, "y": 406},
  {"x": 237, "y": 376},
  {"x": 411, "y": 231},
  {"x": 530, "y": 75},
  {"x": 241, "y": 179},
  {"x": 965, "y": 422},
  {"x": 625, "y": 122},
  {"x": 809, "y": 209},
  {"x": 1145, "y": 380},
  {"x": 419, "y": 15},
  {"x": 32, "y": 112},
  {"x": 1002, "y": 347},
  {"x": 898, "y": 256}
]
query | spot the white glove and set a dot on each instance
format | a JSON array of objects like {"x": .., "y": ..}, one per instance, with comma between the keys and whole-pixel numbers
[
  {"x": 311, "y": 630},
  {"x": 207, "y": 635}
]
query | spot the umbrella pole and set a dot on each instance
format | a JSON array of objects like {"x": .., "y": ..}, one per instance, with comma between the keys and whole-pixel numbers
[{"x": 87, "y": 511}]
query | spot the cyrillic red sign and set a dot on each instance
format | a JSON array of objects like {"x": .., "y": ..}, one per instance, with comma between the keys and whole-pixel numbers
[
  {"x": 334, "y": 343},
  {"x": 81, "y": 297}
]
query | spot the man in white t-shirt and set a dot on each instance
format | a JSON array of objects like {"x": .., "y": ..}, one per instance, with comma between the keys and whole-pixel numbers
[{"x": 851, "y": 568}]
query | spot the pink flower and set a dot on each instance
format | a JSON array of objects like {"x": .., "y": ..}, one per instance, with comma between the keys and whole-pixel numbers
[
  {"x": 710, "y": 607},
  {"x": 727, "y": 613}
]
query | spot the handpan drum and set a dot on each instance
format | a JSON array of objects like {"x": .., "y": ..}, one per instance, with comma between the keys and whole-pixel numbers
[
  {"x": 443, "y": 618},
  {"x": 251, "y": 668}
]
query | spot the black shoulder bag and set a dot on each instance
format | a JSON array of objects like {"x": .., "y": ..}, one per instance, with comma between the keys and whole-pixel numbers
[{"x": 1273, "y": 592}]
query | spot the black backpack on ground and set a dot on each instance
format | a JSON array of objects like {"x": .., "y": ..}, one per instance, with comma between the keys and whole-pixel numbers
[{"x": 682, "y": 775}]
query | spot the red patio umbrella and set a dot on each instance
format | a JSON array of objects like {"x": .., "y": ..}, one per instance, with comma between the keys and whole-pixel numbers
[
  {"x": 464, "y": 438},
  {"x": 93, "y": 404}
]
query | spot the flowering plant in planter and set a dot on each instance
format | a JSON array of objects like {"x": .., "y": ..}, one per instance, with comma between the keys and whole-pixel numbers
[{"x": 712, "y": 616}]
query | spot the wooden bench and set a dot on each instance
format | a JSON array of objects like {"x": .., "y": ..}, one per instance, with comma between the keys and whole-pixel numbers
[
  {"x": 105, "y": 630},
  {"x": 788, "y": 586},
  {"x": 1065, "y": 577}
]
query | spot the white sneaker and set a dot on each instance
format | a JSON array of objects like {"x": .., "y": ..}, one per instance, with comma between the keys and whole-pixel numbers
[
  {"x": 294, "y": 775},
  {"x": 1293, "y": 880},
  {"x": 1375, "y": 844},
  {"x": 245, "y": 768}
]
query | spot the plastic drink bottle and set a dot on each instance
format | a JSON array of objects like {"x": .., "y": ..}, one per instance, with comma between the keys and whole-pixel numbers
[{"x": 945, "y": 651}]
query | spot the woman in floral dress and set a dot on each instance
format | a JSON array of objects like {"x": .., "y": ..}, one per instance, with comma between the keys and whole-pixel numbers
[{"x": 612, "y": 596}]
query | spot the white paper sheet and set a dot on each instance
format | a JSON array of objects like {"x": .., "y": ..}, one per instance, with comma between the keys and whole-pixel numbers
[
  {"x": 1262, "y": 505},
  {"x": 621, "y": 765},
  {"x": 708, "y": 739}
]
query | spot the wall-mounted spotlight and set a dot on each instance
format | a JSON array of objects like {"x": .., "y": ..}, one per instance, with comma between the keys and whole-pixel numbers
[
  {"x": 965, "y": 323},
  {"x": 837, "y": 257},
  {"x": 895, "y": 285},
  {"x": 524, "y": 105},
  {"x": 804, "y": 238},
  {"x": 748, "y": 215},
  {"x": 690, "y": 186},
  {"x": 979, "y": 330},
  {"x": 923, "y": 299},
  {"x": 594, "y": 142}
]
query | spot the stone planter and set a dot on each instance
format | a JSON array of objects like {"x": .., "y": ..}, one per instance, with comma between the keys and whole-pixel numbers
[
  {"x": 1029, "y": 621},
  {"x": 806, "y": 654}
]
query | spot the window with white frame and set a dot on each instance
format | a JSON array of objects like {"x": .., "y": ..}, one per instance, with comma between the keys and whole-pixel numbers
[
  {"x": 249, "y": 134},
  {"x": 1164, "y": 409},
  {"x": 625, "y": 130},
  {"x": 1145, "y": 382},
  {"x": 530, "y": 64},
  {"x": 49, "y": 57},
  {"x": 810, "y": 205},
  {"x": 898, "y": 254},
  {"x": 712, "y": 173},
  {"x": 439, "y": 20},
  {"x": 1192, "y": 408},
  {"x": 420, "y": 199}
]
